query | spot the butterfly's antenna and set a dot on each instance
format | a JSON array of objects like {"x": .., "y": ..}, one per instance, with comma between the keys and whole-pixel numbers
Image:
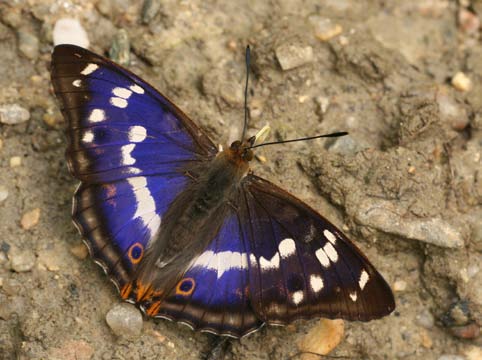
[
  {"x": 335, "y": 134},
  {"x": 248, "y": 63}
]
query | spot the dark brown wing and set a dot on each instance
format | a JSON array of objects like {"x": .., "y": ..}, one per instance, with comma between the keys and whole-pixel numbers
[{"x": 301, "y": 265}]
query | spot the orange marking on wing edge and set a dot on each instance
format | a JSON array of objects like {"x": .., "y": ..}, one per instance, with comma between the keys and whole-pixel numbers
[
  {"x": 144, "y": 292},
  {"x": 126, "y": 290},
  {"x": 154, "y": 308},
  {"x": 180, "y": 291},
  {"x": 131, "y": 256}
]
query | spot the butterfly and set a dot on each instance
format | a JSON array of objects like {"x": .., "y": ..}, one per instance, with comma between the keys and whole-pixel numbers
[{"x": 188, "y": 232}]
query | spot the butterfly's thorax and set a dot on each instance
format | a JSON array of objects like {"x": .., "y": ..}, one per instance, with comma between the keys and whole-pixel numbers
[{"x": 216, "y": 186}]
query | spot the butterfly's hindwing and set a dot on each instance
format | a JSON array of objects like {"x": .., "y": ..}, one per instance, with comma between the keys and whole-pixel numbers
[
  {"x": 303, "y": 266},
  {"x": 212, "y": 295}
]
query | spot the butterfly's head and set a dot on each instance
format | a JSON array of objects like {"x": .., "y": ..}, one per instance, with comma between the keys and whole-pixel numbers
[{"x": 241, "y": 150}]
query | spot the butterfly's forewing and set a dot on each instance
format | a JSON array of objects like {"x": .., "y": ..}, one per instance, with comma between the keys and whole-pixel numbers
[
  {"x": 212, "y": 295},
  {"x": 130, "y": 147},
  {"x": 300, "y": 265}
]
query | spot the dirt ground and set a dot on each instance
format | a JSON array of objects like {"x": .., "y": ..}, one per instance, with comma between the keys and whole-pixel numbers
[{"x": 403, "y": 77}]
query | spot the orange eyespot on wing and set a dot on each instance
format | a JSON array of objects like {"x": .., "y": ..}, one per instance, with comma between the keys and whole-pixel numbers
[
  {"x": 185, "y": 287},
  {"x": 135, "y": 253}
]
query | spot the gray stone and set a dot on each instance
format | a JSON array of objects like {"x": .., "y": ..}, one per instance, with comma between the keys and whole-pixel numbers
[
  {"x": 386, "y": 216},
  {"x": 291, "y": 56},
  {"x": 120, "y": 48},
  {"x": 12, "y": 114},
  {"x": 21, "y": 260},
  {"x": 425, "y": 319},
  {"x": 28, "y": 44},
  {"x": 125, "y": 320},
  {"x": 150, "y": 8}
]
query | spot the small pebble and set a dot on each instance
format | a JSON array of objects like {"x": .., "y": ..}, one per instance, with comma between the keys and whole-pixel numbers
[
  {"x": 80, "y": 251},
  {"x": 120, "y": 48},
  {"x": 291, "y": 56},
  {"x": 12, "y": 114},
  {"x": 469, "y": 22},
  {"x": 125, "y": 320},
  {"x": 48, "y": 260},
  {"x": 469, "y": 331},
  {"x": 30, "y": 219},
  {"x": 232, "y": 45},
  {"x": 322, "y": 338},
  {"x": 324, "y": 28},
  {"x": 28, "y": 44},
  {"x": 15, "y": 161},
  {"x": 400, "y": 285},
  {"x": 473, "y": 353},
  {"x": 461, "y": 82},
  {"x": 21, "y": 261},
  {"x": 425, "y": 319},
  {"x": 3, "y": 193},
  {"x": 70, "y": 31},
  {"x": 49, "y": 119},
  {"x": 323, "y": 103},
  {"x": 150, "y": 8},
  {"x": 425, "y": 339}
]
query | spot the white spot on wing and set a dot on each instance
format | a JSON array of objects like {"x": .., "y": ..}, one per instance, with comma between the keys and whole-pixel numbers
[
  {"x": 88, "y": 136},
  {"x": 122, "y": 92},
  {"x": 322, "y": 258},
  {"x": 297, "y": 297},
  {"x": 89, "y": 69},
  {"x": 137, "y": 89},
  {"x": 137, "y": 133},
  {"x": 97, "y": 115},
  {"x": 126, "y": 150},
  {"x": 269, "y": 264},
  {"x": 331, "y": 252},
  {"x": 287, "y": 248},
  {"x": 252, "y": 260},
  {"x": 353, "y": 296},
  {"x": 77, "y": 83},
  {"x": 316, "y": 283},
  {"x": 330, "y": 236},
  {"x": 222, "y": 261},
  {"x": 146, "y": 205},
  {"x": 133, "y": 170},
  {"x": 118, "y": 102},
  {"x": 363, "y": 279}
]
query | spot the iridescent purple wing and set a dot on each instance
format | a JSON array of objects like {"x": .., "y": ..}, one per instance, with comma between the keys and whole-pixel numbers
[
  {"x": 131, "y": 148},
  {"x": 212, "y": 295},
  {"x": 301, "y": 265}
]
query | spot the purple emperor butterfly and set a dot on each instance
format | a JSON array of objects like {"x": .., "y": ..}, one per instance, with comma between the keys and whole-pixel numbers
[{"x": 188, "y": 232}]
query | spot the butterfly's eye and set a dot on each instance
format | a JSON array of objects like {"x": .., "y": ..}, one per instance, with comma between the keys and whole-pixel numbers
[
  {"x": 235, "y": 145},
  {"x": 248, "y": 155}
]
